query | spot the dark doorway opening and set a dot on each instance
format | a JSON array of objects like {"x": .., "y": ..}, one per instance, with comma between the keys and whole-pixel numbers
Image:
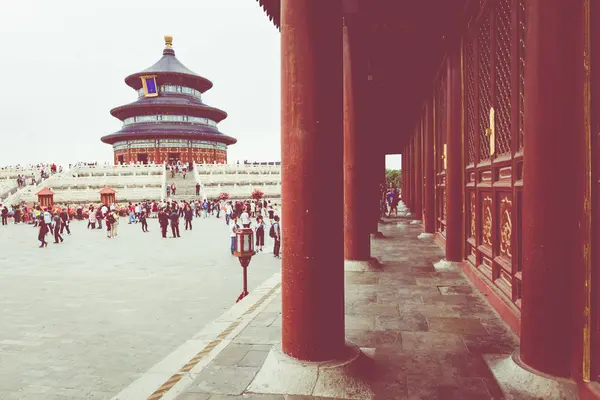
[
  {"x": 174, "y": 158},
  {"x": 121, "y": 159},
  {"x": 143, "y": 158}
]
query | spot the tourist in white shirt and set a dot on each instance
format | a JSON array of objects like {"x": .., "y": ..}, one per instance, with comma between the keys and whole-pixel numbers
[
  {"x": 228, "y": 212},
  {"x": 233, "y": 228},
  {"x": 245, "y": 217}
]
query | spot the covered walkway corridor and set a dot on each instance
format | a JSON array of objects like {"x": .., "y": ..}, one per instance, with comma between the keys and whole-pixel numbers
[{"x": 491, "y": 104}]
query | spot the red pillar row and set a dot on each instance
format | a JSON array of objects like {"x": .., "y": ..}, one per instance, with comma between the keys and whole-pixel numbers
[
  {"x": 552, "y": 328},
  {"x": 312, "y": 125}
]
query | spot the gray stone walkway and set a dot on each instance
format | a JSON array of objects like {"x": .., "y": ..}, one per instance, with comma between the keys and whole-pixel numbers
[
  {"x": 85, "y": 318},
  {"x": 428, "y": 333}
]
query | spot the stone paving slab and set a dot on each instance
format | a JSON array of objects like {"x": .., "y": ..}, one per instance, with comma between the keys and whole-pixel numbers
[{"x": 86, "y": 318}]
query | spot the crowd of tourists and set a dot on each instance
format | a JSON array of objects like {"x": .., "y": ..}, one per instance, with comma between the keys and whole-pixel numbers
[
  {"x": 259, "y": 215},
  {"x": 24, "y": 177}
]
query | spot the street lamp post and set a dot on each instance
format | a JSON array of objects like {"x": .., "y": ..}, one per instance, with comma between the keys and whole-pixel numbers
[{"x": 244, "y": 250}]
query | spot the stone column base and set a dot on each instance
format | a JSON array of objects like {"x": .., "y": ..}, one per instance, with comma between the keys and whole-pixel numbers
[
  {"x": 344, "y": 378},
  {"x": 362, "y": 265},
  {"x": 519, "y": 381},
  {"x": 377, "y": 235}
]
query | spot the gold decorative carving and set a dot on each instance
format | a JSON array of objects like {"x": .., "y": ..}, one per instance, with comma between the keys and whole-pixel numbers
[
  {"x": 445, "y": 156},
  {"x": 506, "y": 227},
  {"x": 487, "y": 221},
  {"x": 492, "y": 132},
  {"x": 473, "y": 216}
]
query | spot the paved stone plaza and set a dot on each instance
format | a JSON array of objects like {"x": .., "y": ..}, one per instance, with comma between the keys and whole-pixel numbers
[{"x": 85, "y": 318}]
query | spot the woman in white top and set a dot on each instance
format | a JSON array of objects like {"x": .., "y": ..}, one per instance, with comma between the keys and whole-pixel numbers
[
  {"x": 245, "y": 217},
  {"x": 92, "y": 218}
]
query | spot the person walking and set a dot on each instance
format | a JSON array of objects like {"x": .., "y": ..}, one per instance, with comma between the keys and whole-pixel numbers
[
  {"x": 233, "y": 228},
  {"x": 42, "y": 232},
  {"x": 99, "y": 216},
  {"x": 163, "y": 220},
  {"x": 197, "y": 189},
  {"x": 188, "y": 214},
  {"x": 5, "y": 215},
  {"x": 92, "y": 218},
  {"x": 64, "y": 217},
  {"x": 245, "y": 218},
  {"x": 143, "y": 217},
  {"x": 259, "y": 229},
  {"x": 108, "y": 225},
  {"x": 228, "y": 212},
  {"x": 57, "y": 227},
  {"x": 276, "y": 236},
  {"x": 114, "y": 223},
  {"x": 175, "y": 223},
  {"x": 205, "y": 209}
]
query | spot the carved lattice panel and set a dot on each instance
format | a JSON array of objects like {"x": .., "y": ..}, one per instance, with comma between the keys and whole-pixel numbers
[
  {"x": 503, "y": 77},
  {"x": 484, "y": 85},
  {"x": 522, "y": 25},
  {"x": 493, "y": 63},
  {"x": 471, "y": 129}
]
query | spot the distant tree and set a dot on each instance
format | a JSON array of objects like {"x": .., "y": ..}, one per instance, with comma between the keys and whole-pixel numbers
[
  {"x": 257, "y": 194},
  {"x": 223, "y": 196},
  {"x": 393, "y": 177}
]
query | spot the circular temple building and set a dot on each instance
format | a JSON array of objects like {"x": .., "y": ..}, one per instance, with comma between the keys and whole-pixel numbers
[{"x": 169, "y": 122}]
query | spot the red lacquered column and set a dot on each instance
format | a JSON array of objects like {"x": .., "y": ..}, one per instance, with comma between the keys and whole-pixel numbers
[
  {"x": 409, "y": 161},
  {"x": 357, "y": 239},
  {"x": 312, "y": 143},
  {"x": 428, "y": 157},
  {"x": 405, "y": 189},
  {"x": 404, "y": 176},
  {"x": 410, "y": 180},
  {"x": 418, "y": 176},
  {"x": 454, "y": 166},
  {"x": 554, "y": 183}
]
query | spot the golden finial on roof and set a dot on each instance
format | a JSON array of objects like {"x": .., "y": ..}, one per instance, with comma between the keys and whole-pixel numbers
[{"x": 168, "y": 41}]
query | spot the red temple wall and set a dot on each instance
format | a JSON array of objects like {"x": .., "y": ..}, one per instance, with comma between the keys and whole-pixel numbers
[{"x": 494, "y": 55}]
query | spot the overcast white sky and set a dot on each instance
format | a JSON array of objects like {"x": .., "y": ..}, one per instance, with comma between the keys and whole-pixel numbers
[{"x": 63, "y": 63}]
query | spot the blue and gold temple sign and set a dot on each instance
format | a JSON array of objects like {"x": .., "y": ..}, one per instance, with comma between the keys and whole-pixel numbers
[{"x": 149, "y": 85}]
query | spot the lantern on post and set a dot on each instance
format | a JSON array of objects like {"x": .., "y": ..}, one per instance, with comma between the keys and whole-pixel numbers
[{"x": 244, "y": 250}]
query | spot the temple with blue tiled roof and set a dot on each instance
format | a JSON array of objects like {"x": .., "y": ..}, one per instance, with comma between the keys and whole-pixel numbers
[{"x": 169, "y": 122}]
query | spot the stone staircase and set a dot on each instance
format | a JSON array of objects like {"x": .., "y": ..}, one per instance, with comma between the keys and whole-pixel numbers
[{"x": 186, "y": 188}]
